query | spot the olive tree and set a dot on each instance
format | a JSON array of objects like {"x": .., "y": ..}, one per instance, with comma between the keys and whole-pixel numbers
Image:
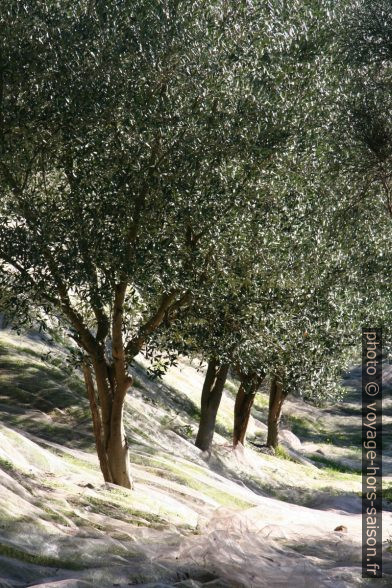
[{"x": 129, "y": 135}]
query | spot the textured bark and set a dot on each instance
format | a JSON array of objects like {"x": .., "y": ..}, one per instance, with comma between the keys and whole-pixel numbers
[
  {"x": 97, "y": 423},
  {"x": 249, "y": 384},
  {"x": 242, "y": 408},
  {"x": 113, "y": 453},
  {"x": 117, "y": 448},
  {"x": 210, "y": 400},
  {"x": 276, "y": 400},
  {"x": 105, "y": 395},
  {"x": 116, "y": 443}
]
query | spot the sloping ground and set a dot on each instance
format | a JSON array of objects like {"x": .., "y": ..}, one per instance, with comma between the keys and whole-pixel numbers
[{"x": 232, "y": 519}]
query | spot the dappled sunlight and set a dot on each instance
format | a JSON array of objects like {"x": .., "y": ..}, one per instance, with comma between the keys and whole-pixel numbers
[{"x": 205, "y": 516}]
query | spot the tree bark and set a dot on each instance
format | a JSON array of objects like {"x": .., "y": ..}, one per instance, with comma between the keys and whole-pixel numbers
[
  {"x": 117, "y": 446},
  {"x": 210, "y": 400},
  {"x": 97, "y": 423},
  {"x": 242, "y": 408},
  {"x": 276, "y": 400},
  {"x": 244, "y": 400},
  {"x": 112, "y": 383},
  {"x": 105, "y": 395},
  {"x": 119, "y": 382},
  {"x": 108, "y": 424}
]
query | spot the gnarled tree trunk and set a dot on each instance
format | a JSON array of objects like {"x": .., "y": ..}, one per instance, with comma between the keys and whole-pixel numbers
[
  {"x": 243, "y": 406},
  {"x": 108, "y": 425},
  {"x": 210, "y": 400},
  {"x": 276, "y": 400},
  {"x": 107, "y": 393},
  {"x": 107, "y": 400},
  {"x": 97, "y": 423},
  {"x": 117, "y": 447}
]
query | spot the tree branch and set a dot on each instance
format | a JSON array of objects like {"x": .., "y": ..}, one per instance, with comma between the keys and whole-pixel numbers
[
  {"x": 117, "y": 338},
  {"x": 134, "y": 346},
  {"x": 96, "y": 303},
  {"x": 89, "y": 342}
]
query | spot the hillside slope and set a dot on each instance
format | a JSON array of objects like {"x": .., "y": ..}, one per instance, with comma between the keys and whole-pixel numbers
[{"x": 232, "y": 519}]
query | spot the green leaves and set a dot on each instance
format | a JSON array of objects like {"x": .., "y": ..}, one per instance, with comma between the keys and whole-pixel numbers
[
  {"x": 124, "y": 128},
  {"x": 193, "y": 150}
]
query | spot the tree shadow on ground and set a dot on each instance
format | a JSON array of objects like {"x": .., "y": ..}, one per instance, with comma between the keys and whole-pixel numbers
[{"x": 39, "y": 396}]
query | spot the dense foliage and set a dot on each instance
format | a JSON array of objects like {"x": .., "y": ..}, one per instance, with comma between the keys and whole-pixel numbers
[{"x": 190, "y": 177}]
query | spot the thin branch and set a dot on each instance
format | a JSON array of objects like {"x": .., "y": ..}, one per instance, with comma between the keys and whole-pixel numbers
[
  {"x": 97, "y": 421},
  {"x": 96, "y": 303},
  {"x": 117, "y": 337},
  {"x": 89, "y": 342},
  {"x": 134, "y": 346}
]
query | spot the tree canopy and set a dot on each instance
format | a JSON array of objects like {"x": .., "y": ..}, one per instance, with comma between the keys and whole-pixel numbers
[{"x": 191, "y": 176}]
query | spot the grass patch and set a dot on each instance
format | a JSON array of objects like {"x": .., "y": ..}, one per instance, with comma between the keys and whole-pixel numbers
[
  {"x": 54, "y": 516},
  {"x": 184, "y": 475},
  {"x": 335, "y": 466},
  {"x": 6, "y": 465},
  {"x": 231, "y": 388},
  {"x": 282, "y": 452},
  {"x": 74, "y": 461},
  {"x": 39, "y": 560},
  {"x": 224, "y": 426},
  {"x": 302, "y": 427},
  {"x": 387, "y": 493},
  {"x": 37, "y": 379},
  {"x": 220, "y": 496},
  {"x": 261, "y": 401},
  {"x": 7, "y": 346},
  {"x": 124, "y": 513}
]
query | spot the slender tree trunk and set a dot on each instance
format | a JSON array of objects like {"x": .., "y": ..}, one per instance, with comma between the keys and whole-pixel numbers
[
  {"x": 105, "y": 394},
  {"x": 97, "y": 423},
  {"x": 108, "y": 425},
  {"x": 117, "y": 444},
  {"x": 112, "y": 380},
  {"x": 117, "y": 447},
  {"x": 242, "y": 408},
  {"x": 210, "y": 400},
  {"x": 243, "y": 404},
  {"x": 276, "y": 400},
  {"x": 112, "y": 398}
]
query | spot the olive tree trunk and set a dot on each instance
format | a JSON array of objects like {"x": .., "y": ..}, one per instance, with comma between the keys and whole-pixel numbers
[
  {"x": 210, "y": 400},
  {"x": 117, "y": 448},
  {"x": 242, "y": 408},
  {"x": 97, "y": 423},
  {"x": 108, "y": 425},
  {"x": 107, "y": 398},
  {"x": 249, "y": 384},
  {"x": 106, "y": 378},
  {"x": 276, "y": 400}
]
